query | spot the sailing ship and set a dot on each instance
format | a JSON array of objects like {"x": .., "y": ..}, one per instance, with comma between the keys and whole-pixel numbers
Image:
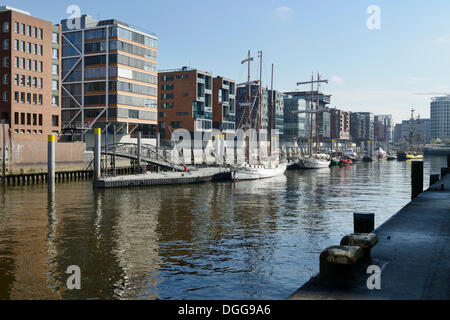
[
  {"x": 314, "y": 160},
  {"x": 263, "y": 169},
  {"x": 410, "y": 149}
]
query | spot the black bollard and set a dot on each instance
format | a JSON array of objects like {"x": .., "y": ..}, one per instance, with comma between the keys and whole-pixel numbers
[
  {"x": 363, "y": 222},
  {"x": 434, "y": 178},
  {"x": 416, "y": 179},
  {"x": 448, "y": 161}
]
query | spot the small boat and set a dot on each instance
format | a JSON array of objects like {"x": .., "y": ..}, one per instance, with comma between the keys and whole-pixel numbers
[
  {"x": 317, "y": 161},
  {"x": 346, "y": 162},
  {"x": 367, "y": 158},
  {"x": 401, "y": 156},
  {"x": 335, "y": 162},
  {"x": 255, "y": 172},
  {"x": 414, "y": 157},
  {"x": 381, "y": 154},
  {"x": 391, "y": 158}
]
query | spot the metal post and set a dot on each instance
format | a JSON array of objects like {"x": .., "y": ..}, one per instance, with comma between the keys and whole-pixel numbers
[
  {"x": 3, "y": 153},
  {"x": 364, "y": 222},
  {"x": 158, "y": 146},
  {"x": 416, "y": 179},
  {"x": 114, "y": 142},
  {"x": 139, "y": 149},
  {"x": 51, "y": 163},
  {"x": 97, "y": 153}
]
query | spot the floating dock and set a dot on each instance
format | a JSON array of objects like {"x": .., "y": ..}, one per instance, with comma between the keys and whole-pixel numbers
[
  {"x": 194, "y": 176},
  {"x": 413, "y": 254}
]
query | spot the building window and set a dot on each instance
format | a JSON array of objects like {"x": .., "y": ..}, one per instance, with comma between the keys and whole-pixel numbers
[
  {"x": 29, "y": 120},
  {"x": 5, "y": 44},
  {"x": 22, "y": 118},
  {"x": 40, "y": 99},
  {"x": 28, "y": 81},
  {"x": 29, "y": 98},
  {"x": 34, "y": 32},
  {"x": 5, "y": 62},
  {"x": 40, "y": 120},
  {"x": 55, "y": 69},
  {"x": 16, "y": 27},
  {"x": 34, "y": 48},
  {"x": 34, "y": 65},
  {"x": 5, "y": 96},
  {"x": 22, "y": 29},
  {"x": 22, "y": 97},
  {"x": 6, "y": 79},
  {"x": 16, "y": 97},
  {"x": 34, "y": 82},
  {"x": 34, "y": 119},
  {"x": 22, "y": 80},
  {"x": 16, "y": 45},
  {"x": 6, "y": 26},
  {"x": 28, "y": 64},
  {"x": 40, "y": 50},
  {"x": 40, "y": 83},
  {"x": 34, "y": 98},
  {"x": 41, "y": 34},
  {"x": 29, "y": 31},
  {"x": 16, "y": 62},
  {"x": 54, "y": 85},
  {"x": 55, "y": 121},
  {"x": 22, "y": 63},
  {"x": 16, "y": 118},
  {"x": 40, "y": 66},
  {"x": 55, "y": 101},
  {"x": 16, "y": 79},
  {"x": 22, "y": 46},
  {"x": 55, "y": 37},
  {"x": 55, "y": 53},
  {"x": 28, "y": 47}
]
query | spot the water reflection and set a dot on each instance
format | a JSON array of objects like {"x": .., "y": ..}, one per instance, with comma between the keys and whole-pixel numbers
[{"x": 249, "y": 240}]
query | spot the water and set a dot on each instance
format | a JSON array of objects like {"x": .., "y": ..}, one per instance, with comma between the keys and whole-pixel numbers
[{"x": 250, "y": 240}]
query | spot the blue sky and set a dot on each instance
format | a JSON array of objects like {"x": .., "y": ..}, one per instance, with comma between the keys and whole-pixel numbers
[{"x": 369, "y": 70}]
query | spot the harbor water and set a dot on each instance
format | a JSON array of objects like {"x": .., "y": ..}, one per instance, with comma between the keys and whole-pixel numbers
[{"x": 248, "y": 240}]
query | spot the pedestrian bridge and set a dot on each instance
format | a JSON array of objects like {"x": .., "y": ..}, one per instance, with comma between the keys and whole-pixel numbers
[{"x": 149, "y": 154}]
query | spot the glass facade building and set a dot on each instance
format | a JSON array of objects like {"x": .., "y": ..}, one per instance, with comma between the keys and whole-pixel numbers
[
  {"x": 440, "y": 118},
  {"x": 109, "y": 76}
]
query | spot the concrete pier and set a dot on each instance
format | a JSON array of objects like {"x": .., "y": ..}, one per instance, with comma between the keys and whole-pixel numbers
[
  {"x": 165, "y": 178},
  {"x": 413, "y": 254}
]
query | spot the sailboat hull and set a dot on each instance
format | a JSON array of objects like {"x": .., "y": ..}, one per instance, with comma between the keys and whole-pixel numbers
[
  {"x": 258, "y": 172},
  {"x": 314, "y": 164}
]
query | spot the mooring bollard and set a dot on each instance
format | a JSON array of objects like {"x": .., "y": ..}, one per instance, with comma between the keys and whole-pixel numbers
[
  {"x": 51, "y": 163},
  {"x": 416, "y": 179},
  {"x": 364, "y": 240},
  {"x": 97, "y": 154},
  {"x": 338, "y": 264},
  {"x": 363, "y": 222},
  {"x": 434, "y": 178}
]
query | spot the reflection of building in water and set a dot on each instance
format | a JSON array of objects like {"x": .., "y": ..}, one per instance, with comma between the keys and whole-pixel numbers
[
  {"x": 136, "y": 248},
  {"x": 28, "y": 257}
]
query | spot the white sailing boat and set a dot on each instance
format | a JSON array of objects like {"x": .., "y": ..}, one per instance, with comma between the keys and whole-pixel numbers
[
  {"x": 264, "y": 169},
  {"x": 316, "y": 161}
]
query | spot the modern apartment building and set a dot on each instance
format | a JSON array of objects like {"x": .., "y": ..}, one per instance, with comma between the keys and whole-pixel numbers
[
  {"x": 340, "y": 126},
  {"x": 30, "y": 75},
  {"x": 440, "y": 118},
  {"x": 358, "y": 126},
  {"x": 109, "y": 77},
  {"x": 224, "y": 105},
  {"x": 276, "y": 111},
  {"x": 383, "y": 128},
  {"x": 186, "y": 101},
  {"x": 247, "y": 107},
  {"x": 296, "y": 124}
]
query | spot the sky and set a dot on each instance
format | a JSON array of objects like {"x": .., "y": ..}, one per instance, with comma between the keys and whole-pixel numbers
[{"x": 399, "y": 64}]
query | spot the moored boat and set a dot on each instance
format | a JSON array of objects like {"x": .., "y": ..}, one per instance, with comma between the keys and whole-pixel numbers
[
  {"x": 256, "y": 172},
  {"x": 346, "y": 162}
]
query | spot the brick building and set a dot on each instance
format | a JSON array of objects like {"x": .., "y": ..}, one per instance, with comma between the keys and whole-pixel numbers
[{"x": 30, "y": 77}]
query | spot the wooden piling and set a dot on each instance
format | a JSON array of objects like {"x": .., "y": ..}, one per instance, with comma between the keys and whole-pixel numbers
[{"x": 416, "y": 179}]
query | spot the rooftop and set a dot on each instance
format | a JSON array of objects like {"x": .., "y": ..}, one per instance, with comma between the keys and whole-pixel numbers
[{"x": 8, "y": 8}]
